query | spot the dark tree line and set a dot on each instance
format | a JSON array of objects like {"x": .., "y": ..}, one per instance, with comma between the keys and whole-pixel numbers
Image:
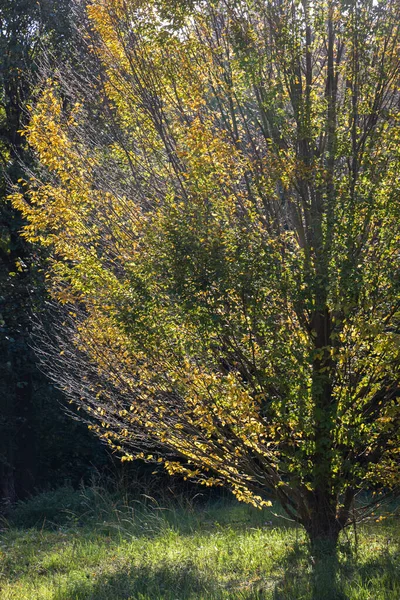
[{"x": 39, "y": 444}]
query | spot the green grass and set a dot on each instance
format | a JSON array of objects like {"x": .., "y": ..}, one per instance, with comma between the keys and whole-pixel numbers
[{"x": 96, "y": 547}]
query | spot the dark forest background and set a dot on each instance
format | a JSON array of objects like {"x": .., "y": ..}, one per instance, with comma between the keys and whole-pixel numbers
[{"x": 40, "y": 445}]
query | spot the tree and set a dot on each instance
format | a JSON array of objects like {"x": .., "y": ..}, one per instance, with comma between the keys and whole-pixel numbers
[{"x": 221, "y": 211}]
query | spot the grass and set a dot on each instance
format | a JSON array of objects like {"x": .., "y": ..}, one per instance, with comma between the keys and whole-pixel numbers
[{"x": 68, "y": 545}]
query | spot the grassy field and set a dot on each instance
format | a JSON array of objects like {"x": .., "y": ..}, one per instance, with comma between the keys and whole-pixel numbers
[{"x": 70, "y": 545}]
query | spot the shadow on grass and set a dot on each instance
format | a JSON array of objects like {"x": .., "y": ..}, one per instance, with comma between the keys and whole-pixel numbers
[
  {"x": 144, "y": 583},
  {"x": 189, "y": 583},
  {"x": 301, "y": 579},
  {"x": 304, "y": 577},
  {"x": 333, "y": 579},
  {"x": 383, "y": 569}
]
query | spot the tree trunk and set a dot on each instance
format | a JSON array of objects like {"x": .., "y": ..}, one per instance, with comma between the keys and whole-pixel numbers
[
  {"x": 323, "y": 527},
  {"x": 323, "y": 531}
]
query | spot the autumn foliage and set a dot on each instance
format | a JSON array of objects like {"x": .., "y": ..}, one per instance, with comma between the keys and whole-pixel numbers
[{"x": 220, "y": 202}]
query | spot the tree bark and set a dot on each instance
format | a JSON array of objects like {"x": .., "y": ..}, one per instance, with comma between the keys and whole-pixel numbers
[{"x": 323, "y": 533}]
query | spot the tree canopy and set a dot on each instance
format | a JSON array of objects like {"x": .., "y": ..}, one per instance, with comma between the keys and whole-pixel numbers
[{"x": 220, "y": 202}]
